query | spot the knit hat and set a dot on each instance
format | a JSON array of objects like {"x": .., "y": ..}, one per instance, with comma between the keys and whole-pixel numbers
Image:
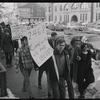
[
  {"x": 59, "y": 40},
  {"x": 53, "y": 33}
]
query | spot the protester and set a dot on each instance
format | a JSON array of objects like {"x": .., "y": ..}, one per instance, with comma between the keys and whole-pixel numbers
[
  {"x": 1, "y": 33},
  {"x": 61, "y": 59},
  {"x": 6, "y": 45},
  {"x": 8, "y": 26},
  {"x": 44, "y": 67},
  {"x": 52, "y": 39},
  {"x": 85, "y": 74},
  {"x": 25, "y": 62},
  {"x": 15, "y": 46}
]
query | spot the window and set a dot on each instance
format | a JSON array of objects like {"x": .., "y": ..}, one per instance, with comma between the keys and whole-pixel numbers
[
  {"x": 68, "y": 17},
  {"x": 60, "y": 17},
  {"x": 66, "y": 7},
  {"x": 55, "y": 8},
  {"x": 86, "y": 17},
  {"x": 84, "y": 5},
  {"x": 96, "y": 4},
  {"x": 99, "y": 16},
  {"x": 80, "y": 16},
  {"x": 83, "y": 17},
  {"x": 49, "y": 18},
  {"x": 49, "y": 9},
  {"x": 60, "y": 7},
  {"x": 55, "y": 18},
  {"x": 96, "y": 16},
  {"x": 75, "y": 5},
  {"x": 64, "y": 17}
]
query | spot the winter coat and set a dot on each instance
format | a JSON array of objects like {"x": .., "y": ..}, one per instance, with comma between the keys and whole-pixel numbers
[
  {"x": 52, "y": 73},
  {"x": 6, "y": 43}
]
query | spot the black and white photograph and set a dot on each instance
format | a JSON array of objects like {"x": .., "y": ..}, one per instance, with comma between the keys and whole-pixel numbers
[{"x": 49, "y": 50}]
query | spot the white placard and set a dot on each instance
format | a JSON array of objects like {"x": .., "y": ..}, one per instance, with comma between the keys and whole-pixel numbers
[
  {"x": 18, "y": 31},
  {"x": 40, "y": 49}
]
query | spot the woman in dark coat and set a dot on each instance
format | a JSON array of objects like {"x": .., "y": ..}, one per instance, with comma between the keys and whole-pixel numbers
[{"x": 85, "y": 74}]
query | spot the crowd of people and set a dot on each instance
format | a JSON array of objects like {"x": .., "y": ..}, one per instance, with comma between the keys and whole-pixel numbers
[{"x": 69, "y": 64}]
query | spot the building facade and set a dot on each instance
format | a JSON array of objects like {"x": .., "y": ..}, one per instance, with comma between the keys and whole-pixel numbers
[
  {"x": 31, "y": 12},
  {"x": 77, "y": 12}
]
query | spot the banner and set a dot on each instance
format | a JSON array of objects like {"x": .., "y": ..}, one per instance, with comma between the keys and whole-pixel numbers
[
  {"x": 40, "y": 49},
  {"x": 18, "y": 31}
]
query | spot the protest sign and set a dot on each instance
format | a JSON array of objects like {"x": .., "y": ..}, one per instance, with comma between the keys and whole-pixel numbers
[
  {"x": 40, "y": 49},
  {"x": 15, "y": 29},
  {"x": 18, "y": 31}
]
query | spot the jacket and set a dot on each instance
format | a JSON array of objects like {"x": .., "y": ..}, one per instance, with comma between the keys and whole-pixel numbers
[
  {"x": 6, "y": 43},
  {"x": 51, "y": 68},
  {"x": 24, "y": 57}
]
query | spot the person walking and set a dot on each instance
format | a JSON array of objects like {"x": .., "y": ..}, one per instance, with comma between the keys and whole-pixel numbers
[
  {"x": 25, "y": 62},
  {"x": 6, "y": 46},
  {"x": 52, "y": 39},
  {"x": 85, "y": 74},
  {"x": 59, "y": 71},
  {"x": 43, "y": 68}
]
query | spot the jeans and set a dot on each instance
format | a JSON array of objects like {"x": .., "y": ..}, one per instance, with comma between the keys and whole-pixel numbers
[
  {"x": 58, "y": 89},
  {"x": 8, "y": 57},
  {"x": 41, "y": 70},
  {"x": 26, "y": 83}
]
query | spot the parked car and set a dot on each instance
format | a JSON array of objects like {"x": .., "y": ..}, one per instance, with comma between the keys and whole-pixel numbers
[{"x": 75, "y": 26}]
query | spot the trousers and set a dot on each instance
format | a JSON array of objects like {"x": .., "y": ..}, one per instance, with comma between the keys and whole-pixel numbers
[{"x": 26, "y": 82}]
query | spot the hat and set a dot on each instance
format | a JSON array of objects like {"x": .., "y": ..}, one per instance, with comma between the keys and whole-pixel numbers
[
  {"x": 6, "y": 30},
  {"x": 59, "y": 40},
  {"x": 53, "y": 33}
]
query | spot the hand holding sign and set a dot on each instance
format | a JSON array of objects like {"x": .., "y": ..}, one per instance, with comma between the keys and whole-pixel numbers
[{"x": 40, "y": 49}]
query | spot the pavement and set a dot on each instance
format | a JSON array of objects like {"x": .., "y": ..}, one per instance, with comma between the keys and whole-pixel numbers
[{"x": 15, "y": 82}]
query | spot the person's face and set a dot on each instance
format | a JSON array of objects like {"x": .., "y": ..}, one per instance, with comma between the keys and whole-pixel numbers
[
  {"x": 25, "y": 42},
  {"x": 60, "y": 47},
  {"x": 78, "y": 43},
  {"x": 85, "y": 48},
  {"x": 53, "y": 37}
]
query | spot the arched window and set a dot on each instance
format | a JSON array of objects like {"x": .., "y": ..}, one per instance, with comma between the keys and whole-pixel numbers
[
  {"x": 74, "y": 6},
  {"x": 84, "y": 5},
  {"x": 66, "y": 7}
]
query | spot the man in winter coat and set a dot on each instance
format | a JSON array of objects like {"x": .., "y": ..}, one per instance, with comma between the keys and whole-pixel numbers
[
  {"x": 6, "y": 45},
  {"x": 59, "y": 71}
]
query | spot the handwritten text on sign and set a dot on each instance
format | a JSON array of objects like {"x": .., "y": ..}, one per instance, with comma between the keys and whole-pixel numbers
[
  {"x": 18, "y": 31},
  {"x": 40, "y": 49}
]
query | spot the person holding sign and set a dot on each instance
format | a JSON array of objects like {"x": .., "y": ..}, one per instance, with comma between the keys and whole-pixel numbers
[
  {"x": 43, "y": 68},
  {"x": 25, "y": 61},
  {"x": 6, "y": 46},
  {"x": 59, "y": 68}
]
